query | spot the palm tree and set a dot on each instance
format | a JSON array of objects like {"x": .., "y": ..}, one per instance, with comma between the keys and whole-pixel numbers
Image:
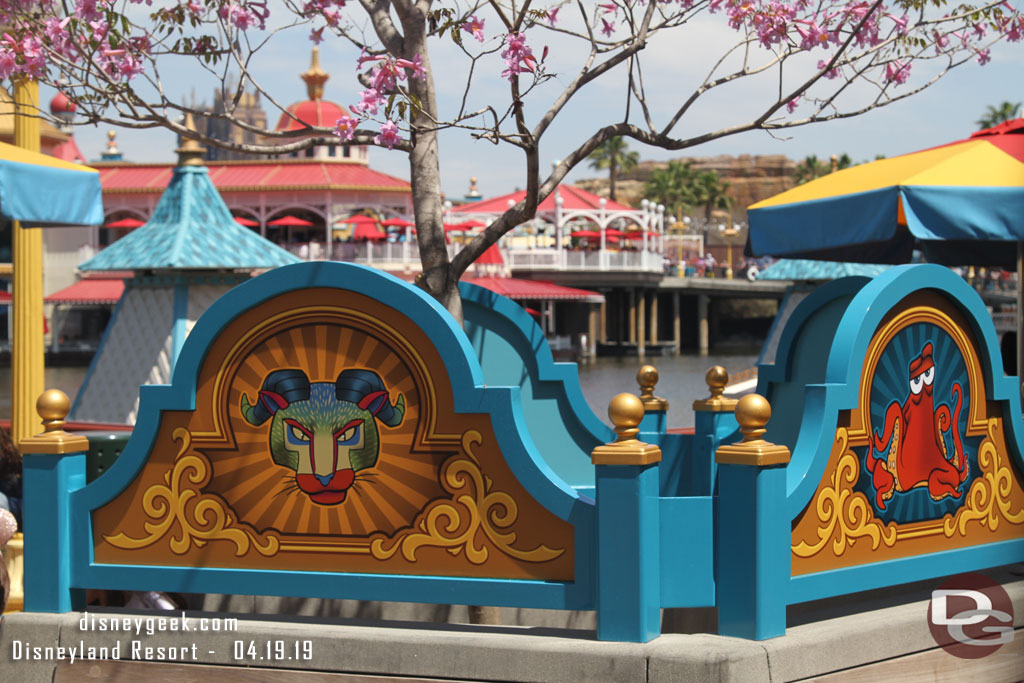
[
  {"x": 993, "y": 116},
  {"x": 672, "y": 186},
  {"x": 810, "y": 168},
  {"x": 708, "y": 190},
  {"x": 614, "y": 154}
]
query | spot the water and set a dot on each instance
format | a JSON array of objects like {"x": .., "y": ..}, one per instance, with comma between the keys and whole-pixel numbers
[{"x": 681, "y": 381}]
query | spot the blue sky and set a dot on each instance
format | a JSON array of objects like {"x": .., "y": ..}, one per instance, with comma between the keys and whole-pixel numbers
[{"x": 947, "y": 111}]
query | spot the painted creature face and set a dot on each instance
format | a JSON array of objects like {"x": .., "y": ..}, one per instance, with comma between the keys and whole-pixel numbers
[
  {"x": 922, "y": 375},
  {"x": 325, "y": 441},
  {"x": 325, "y": 432}
]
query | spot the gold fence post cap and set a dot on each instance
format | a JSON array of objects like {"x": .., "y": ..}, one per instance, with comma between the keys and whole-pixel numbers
[
  {"x": 647, "y": 378},
  {"x": 753, "y": 412},
  {"x": 53, "y": 407},
  {"x": 626, "y": 411},
  {"x": 717, "y": 379}
]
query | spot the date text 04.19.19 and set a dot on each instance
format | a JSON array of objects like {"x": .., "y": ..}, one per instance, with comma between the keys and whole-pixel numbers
[{"x": 272, "y": 650}]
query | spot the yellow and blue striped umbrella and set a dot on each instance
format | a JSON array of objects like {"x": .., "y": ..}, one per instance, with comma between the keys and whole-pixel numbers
[
  {"x": 41, "y": 190},
  {"x": 960, "y": 203}
]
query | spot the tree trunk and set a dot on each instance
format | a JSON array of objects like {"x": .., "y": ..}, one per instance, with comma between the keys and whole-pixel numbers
[
  {"x": 425, "y": 175},
  {"x": 612, "y": 173}
]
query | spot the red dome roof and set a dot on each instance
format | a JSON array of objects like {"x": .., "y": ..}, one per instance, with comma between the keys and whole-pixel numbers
[
  {"x": 313, "y": 113},
  {"x": 60, "y": 104}
]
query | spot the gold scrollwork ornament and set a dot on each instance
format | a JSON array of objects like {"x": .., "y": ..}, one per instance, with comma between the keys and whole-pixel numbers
[
  {"x": 987, "y": 500},
  {"x": 843, "y": 514},
  {"x": 474, "y": 507},
  {"x": 200, "y": 517}
]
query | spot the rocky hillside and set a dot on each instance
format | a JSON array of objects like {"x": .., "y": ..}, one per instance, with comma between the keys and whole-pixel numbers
[{"x": 750, "y": 178}]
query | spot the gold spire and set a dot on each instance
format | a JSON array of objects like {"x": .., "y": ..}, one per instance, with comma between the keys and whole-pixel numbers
[
  {"x": 717, "y": 379},
  {"x": 753, "y": 412},
  {"x": 626, "y": 411},
  {"x": 315, "y": 77},
  {"x": 190, "y": 153},
  {"x": 53, "y": 407},
  {"x": 647, "y": 378}
]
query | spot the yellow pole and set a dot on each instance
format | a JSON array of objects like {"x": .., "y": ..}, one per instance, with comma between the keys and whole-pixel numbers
[{"x": 27, "y": 345}]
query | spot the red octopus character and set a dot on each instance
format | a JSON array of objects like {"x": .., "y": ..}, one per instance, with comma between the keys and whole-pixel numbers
[{"x": 914, "y": 435}]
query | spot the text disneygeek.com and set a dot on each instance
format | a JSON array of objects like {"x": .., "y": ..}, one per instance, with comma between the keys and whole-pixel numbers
[{"x": 169, "y": 642}]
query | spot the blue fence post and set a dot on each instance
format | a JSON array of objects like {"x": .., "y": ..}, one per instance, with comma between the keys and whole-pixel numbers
[
  {"x": 753, "y": 538},
  {"x": 628, "y": 529},
  {"x": 713, "y": 421},
  {"x": 53, "y": 465}
]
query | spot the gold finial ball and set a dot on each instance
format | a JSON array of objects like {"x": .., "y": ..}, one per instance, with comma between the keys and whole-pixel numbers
[
  {"x": 626, "y": 411},
  {"x": 111, "y": 134},
  {"x": 647, "y": 376},
  {"x": 717, "y": 377},
  {"x": 53, "y": 404},
  {"x": 753, "y": 412}
]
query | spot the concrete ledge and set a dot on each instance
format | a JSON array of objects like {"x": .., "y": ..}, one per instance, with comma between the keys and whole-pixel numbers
[{"x": 478, "y": 653}]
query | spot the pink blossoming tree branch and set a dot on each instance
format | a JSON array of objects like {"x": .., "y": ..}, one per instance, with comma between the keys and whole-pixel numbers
[{"x": 825, "y": 59}]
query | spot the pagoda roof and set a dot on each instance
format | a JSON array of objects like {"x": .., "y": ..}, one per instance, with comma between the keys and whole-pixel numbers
[
  {"x": 573, "y": 199},
  {"x": 805, "y": 269},
  {"x": 249, "y": 176},
  {"x": 191, "y": 228}
]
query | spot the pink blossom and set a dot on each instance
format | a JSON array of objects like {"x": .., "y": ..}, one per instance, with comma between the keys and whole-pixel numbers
[
  {"x": 416, "y": 66},
  {"x": 553, "y": 16},
  {"x": 476, "y": 27},
  {"x": 317, "y": 35},
  {"x": 389, "y": 135},
  {"x": 897, "y": 71},
  {"x": 984, "y": 57},
  {"x": 901, "y": 23},
  {"x": 345, "y": 128},
  {"x": 87, "y": 11},
  {"x": 792, "y": 104},
  {"x": 371, "y": 100},
  {"x": 608, "y": 28},
  {"x": 811, "y": 37},
  {"x": 609, "y": 8},
  {"x": 980, "y": 30},
  {"x": 831, "y": 73},
  {"x": 1015, "y": 32},
  {"x": 8, "y": 63},
  {"x": 517, "y": 55},
  {"x": 195, "y": 8}
]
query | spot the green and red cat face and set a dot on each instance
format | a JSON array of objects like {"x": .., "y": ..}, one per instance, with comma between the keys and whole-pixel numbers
[{"x": 325, "y": 432}]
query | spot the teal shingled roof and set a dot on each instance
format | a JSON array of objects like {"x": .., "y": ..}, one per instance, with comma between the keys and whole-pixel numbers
[
  {"x": 191, "y": 228},
  {"x": 805, "y": 269}
]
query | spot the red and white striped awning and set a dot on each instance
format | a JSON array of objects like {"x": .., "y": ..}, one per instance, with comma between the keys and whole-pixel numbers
[
  {"x": 90, "y": 291},
  {"x": 524, "y": 290}
]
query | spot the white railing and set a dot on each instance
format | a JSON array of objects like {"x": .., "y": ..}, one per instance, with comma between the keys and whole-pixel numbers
[{"x": 406, "y": 254}]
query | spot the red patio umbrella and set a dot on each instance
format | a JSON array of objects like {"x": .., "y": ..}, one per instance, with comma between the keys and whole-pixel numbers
[
  {"x": 397, "y": 223},
  {"x": 586, "y": 234},
  {"x": 291, "y": 221},
  {"x": 472, "y": 224},
  {"x": 491, "y": 256},
  {"x": 247, "y": 222},
  {"x": 125, "y": 223},
  {"x": 365, "y": 231},
  {"x": 639, "y": 234},
  {"x": 360, "y": 219},
  {"x": 612, "y": 232}
]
